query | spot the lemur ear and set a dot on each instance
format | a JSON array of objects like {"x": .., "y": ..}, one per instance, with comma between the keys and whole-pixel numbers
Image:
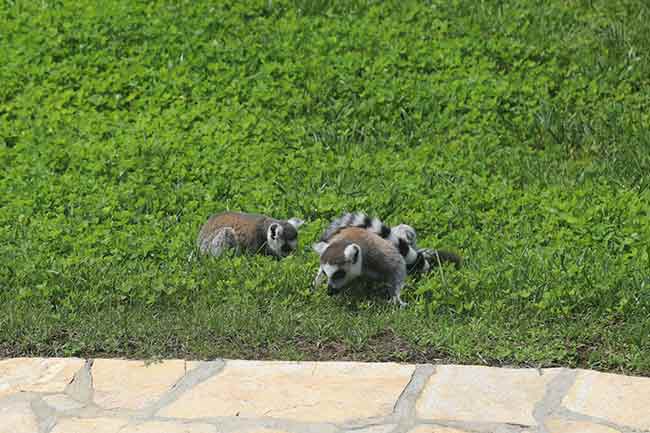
[
  {"x": 351, "y": 253},
  {"x": 275, "y": 230},
  {"x": 320, "y": 247},
  {"x": 405, "y": 231},
  {"x": 296, "y": 222}
]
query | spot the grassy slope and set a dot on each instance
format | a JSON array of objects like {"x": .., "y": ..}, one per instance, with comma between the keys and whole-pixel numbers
[{"x": 514, "y": 132}]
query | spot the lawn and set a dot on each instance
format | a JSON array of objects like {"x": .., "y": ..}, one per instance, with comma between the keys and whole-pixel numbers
[{"x": 516, "y": 133}]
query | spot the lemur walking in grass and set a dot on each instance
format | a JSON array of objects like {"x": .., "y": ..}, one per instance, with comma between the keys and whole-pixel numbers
[
  {"x": 403, "y": 236},
  {"x": 354, "y": 252},
  {"x": 356, "y": 245},
  {"x": 249, "y": 233}
]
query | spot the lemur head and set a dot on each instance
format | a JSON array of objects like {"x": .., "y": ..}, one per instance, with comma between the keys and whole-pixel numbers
[
  {"x": 341, "y": 261},
  {"x": 282, "y": 236}
]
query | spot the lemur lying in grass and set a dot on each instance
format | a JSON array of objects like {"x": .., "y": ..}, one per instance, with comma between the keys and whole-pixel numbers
[{"x": 250, "y": 233}]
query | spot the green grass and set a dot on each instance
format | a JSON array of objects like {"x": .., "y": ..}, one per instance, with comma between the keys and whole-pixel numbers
[{"x": 514, "y": 132}]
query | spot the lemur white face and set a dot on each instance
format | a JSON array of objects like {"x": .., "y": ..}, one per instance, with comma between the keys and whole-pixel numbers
[
  {"x": 339, "y": 275},
  {"x": 274, "y": 238},
  {"x": 283, "y": 241}
]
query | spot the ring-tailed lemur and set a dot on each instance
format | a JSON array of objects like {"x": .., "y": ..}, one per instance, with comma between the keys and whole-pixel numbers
[
  {"x": 250, "y": 233},
  {"x": 403, "y": 236},
  {"x": 353, "y": 252}
]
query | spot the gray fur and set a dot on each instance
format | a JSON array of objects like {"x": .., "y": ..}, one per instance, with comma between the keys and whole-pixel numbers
[
  {"x": 402, "y": 236},
  {"x": 295, "y": 222},
  {"x": 361, "y": 220},
  {"x": 251, "y": 233},
  {"x": 224, "y": 239}
]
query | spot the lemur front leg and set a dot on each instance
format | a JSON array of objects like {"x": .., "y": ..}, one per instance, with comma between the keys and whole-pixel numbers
[
  {"x": 395, "y": 288},
  {"x": 318, "y": 280}
]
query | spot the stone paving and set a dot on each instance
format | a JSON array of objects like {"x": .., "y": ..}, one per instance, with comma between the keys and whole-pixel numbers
[{"x": 116, "y": 396}]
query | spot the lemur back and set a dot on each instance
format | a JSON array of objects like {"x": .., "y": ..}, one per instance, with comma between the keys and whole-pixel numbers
[
  {"x": 251, "y": 233},
  {"x": 248, "y": 229},
  {"x": 359, "y": 220},
  {"x": 381, "y": 260},
  {"x": 402, "y": 236}
]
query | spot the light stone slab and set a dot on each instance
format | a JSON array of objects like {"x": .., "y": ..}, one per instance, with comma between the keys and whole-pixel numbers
[
  {"x": 558, "y": 425},
  {"x": 267, "y": 430},
  {"x": 376, "y": 429},
  {"x": 121, "y": 425},
  {"x": 191, "y": 365},
  {"x": 121, "y": 384},
  {"x": 622, "y": 400},
  {"x": 301, "y": 391},
  {"x": 483, "y": 394},
  {"x": 89, "y": 425},
  {"x": 62, "y": 402},
  {"x": 18, "y": 417},
  {"x": 169, "y": 427},
  {"x": 435, "y": 429},
  {"x": 37, "y": 374}
]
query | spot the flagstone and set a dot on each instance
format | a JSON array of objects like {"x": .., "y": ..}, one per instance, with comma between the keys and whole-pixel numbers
[
  {"x": 122, "y": 384},
  {"x": 558, "y": 425},
  {"x": 483, "y": 394},
  {"x": 302, "y": 391},
  {"x": 435, "y": 429},
  {"x": 18, "y": 417},
  {"x": 62, "y": 402},
  {"x": 37, "y": 374},
  {"x": 89, "y": 425},
  {"x": 622, "y": 400},
  {"x": 169, "y": 427}
]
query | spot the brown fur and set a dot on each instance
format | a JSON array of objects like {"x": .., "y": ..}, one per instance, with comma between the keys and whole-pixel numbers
[
  {"x": 381, "y": 259},
  {"x": 249, "y": 229}
]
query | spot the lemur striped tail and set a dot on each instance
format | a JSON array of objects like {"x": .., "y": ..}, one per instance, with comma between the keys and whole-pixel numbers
[
  {"x": 402, "y": 236},
  {"x": 439, "y": 257},
  {"x": 446, "y": 257},
  {"x": 361, "y": 220}
]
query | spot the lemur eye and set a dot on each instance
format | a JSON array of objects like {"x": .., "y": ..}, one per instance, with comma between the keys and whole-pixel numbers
[{"x": 338, "y": 275}]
